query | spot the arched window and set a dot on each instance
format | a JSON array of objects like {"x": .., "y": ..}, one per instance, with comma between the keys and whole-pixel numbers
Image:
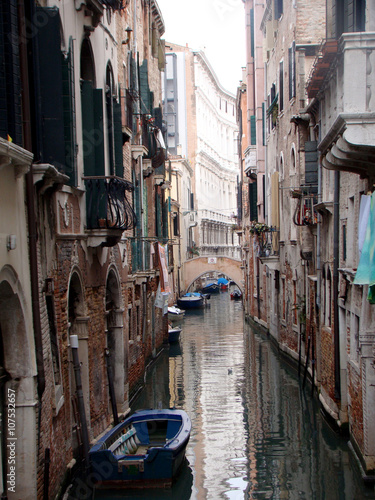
[{"x": 293, "y": 163}]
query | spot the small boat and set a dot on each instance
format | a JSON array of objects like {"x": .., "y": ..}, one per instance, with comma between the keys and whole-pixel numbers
[
  {"x": 145, "y": 450},
  {"x": 236, "y": 295},
  {"x": 211, "y": 288},
  {"x": 175, "y": 313},
  {"x": 223, "y": 283},
  {"x": 174, "y": 334},
  {"x": 191, "y": 300}
]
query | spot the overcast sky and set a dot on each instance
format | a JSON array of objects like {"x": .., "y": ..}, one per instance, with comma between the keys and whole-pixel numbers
[{"x": 215, "y": 26}]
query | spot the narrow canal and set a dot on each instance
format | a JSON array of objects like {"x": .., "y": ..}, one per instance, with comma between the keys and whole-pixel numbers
[{"x": 255, "y": 432}]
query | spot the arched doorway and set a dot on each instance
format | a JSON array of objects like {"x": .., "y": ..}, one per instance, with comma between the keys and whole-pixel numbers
[
  {"x": 115, "y": 339},
  {"x": 17, "y": 390}
]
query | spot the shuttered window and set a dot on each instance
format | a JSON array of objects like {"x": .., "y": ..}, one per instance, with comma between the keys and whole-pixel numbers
[
  {"x": 252, "y": 32},
  {"x": 253, "y": 133},
  {"x": 117, "y": 132},
  {"x": 92, "y": 129},
  {"x": 278, "y": 8},
  {"x": 69, "y": 115},
  {"x": 264, "y": 123},
  {"x": 281, "y": 86},
  {"x": 253, "y": 201},
  {"x": 10, "y": 77},
  {"x": 51, "y": 89},
  {"x": 311, "y": 165},
  {"x": 292, "y": 70}
]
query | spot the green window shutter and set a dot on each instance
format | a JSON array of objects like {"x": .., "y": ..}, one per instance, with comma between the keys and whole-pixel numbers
[
  {"x": 292, "y": 70},
  {"x": 252, "y": 32},
  {"x": 88, "y": 128},
  {"x": 98, "y": 129},
  {"x": 119, "y": 165},
  {"x": 92, "y": 129},
  {"x": 311, "y": 165},
  {"x": 253, "y": 200},
  {"x": 264, "y": 123},
  {"x": 51, "y": 87},
  {"x": 144, "y": 88},
  {"x": 69, "y": 117},
  {"x": 253, "y": 132},
  {"x": 281, "y": 86},
  {"x": 165, "y": 219}
]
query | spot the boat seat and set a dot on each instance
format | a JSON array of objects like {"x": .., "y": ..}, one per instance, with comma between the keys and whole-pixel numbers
[{"x": 126, "y": 444}]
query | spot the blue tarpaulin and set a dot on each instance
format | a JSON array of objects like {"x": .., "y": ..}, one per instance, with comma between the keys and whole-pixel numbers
[{"x": 222, "y": 281}]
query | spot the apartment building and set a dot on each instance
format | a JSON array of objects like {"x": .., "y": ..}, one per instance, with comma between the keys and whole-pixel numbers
[
  {"x": 84, "y": 220},
  {"x": 306, "y": 240},
  {"x": 201, "y": 122}
]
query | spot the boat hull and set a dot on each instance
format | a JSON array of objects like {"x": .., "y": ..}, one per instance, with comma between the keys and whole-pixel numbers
[
  {"x": 175, "y": 314},
  {"x": 162, "y": 437},
  {"x": 236, "y": 296},
  {"x": 174, "y": 334},
  {"x": 175, "y": 317},
  {"x": 211, "y": 288},
  {"x": 190, "y": 302}
]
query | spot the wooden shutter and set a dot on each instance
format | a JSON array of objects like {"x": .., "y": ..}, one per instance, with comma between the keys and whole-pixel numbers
[
  {"x": 281, "y": 86},
  {"x": 292, "y": 70},
  {"x": 253, "y": 200},
  {"x": 117, "y": 132},
  {"x": 253, "y": 132},
  {"x": 51, "y": 88},
  {"x": 252, "y": 32},
  {"x": 92, "y": 129},
  {"x": 311, "y": 165},
  {"x": 69, "y": 116}
]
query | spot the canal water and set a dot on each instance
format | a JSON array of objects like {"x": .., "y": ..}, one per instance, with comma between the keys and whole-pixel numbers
[{"x": 256, "y": 434}]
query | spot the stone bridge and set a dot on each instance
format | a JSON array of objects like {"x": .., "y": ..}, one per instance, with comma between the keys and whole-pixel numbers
[{"x": 194, "y": 268}]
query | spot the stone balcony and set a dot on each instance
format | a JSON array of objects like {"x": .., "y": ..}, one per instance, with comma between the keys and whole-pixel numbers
[{"x": 344, "y": 83}]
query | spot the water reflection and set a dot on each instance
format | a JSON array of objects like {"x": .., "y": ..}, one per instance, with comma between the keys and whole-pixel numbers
[{"x": 255, "y": 433}]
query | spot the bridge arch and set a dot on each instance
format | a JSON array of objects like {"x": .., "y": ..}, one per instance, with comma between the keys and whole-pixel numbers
[{"x": 197, "y": 267}]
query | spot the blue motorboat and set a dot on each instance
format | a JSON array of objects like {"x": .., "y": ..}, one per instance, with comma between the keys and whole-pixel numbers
[
  {"x": 145, "y": 450},
  {"x": 211, "y": 288},
  {"x": 191, "y": 301}
]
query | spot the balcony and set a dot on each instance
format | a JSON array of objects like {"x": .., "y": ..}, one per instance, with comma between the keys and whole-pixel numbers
[
  {"x": 267, "y": 243},
  {"x": 347, "y": 102},
  {"x": 327, "y": 53},
  {"x": 96, "y": 7},
  {"x": 109, "y": 212}
]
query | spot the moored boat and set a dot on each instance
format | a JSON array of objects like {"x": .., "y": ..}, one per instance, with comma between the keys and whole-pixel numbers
[
  {"x": 236, "y": 295},
  {"x": 191, "y": 300},
  {"x": 174, "y": 334},
  {"x": 175, "y": 314},
  {"x": 145, "y": 450},
  {"x": 224, "y": 283},
  {"x": 211, "y": 288}
]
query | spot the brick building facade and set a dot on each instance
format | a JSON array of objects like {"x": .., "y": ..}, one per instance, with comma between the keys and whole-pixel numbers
[
  {"x": 305, "y": 281},
  {"x": 88, "y": 128}
]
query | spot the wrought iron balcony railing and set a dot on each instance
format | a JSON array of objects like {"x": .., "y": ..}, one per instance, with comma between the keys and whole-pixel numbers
[
  {"x": 107, "y": 205},
  {"x": 268, "y": 242}
]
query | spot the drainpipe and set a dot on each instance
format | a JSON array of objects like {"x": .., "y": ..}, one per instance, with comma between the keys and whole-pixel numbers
[
  {"x": 80, "y": 400},
  {"x": 335, "y": 293}
]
